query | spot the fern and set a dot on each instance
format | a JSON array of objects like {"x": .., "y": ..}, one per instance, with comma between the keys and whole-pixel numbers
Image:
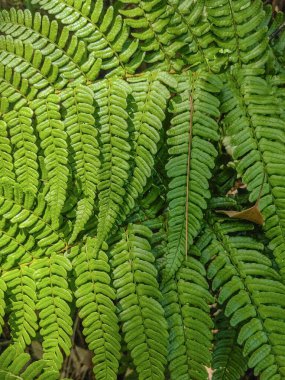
[
  {"x": 191, "y": 161},
  {"x": 186, "y": 302},
  {"x": 95, "y": 298},
  {"x": 23, "y": 140},
  {"x": 257, "y": 146},
  {"x": 141, "y": 314},
  {"x": 228, "y": 361},
  {"x": 124, "y": 127},
  {"x": 239, "y": 30},
  {"x": 15, "y": 367},
  {"x": 22, "y": 304},
  {"x": 111, "y": 96},
  {"x": 79, "y": 124},
  {"x": 253, "y": 304}
]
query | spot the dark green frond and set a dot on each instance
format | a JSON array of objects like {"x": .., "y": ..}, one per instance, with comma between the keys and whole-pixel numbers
[
  {"x": 186, "y": 300},
  {"x": 193, "y": 31},
  {"x": 192, "y": 153},
  {"x": 252, "y": 295},
  {"x": 255, "y": 137},
  {"x": 228, "y": 361}
]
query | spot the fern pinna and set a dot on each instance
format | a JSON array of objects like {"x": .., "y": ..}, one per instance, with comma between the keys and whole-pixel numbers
[{"x": 127, "y": 132}]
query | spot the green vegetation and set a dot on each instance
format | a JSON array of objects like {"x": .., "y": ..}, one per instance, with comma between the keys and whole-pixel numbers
[{"x": 142, "y": 188}]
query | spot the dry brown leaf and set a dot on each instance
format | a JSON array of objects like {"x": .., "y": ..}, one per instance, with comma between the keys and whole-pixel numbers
[
  {"x": 210, "y": 372},
  {"x": 251, "y": 214}
]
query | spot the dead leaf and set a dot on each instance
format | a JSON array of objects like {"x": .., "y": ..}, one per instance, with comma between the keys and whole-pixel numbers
[
  {"x": 210, "y": 372},
  {"x": 251, "y": 214}
]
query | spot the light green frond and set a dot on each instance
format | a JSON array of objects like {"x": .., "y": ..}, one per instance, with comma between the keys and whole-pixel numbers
[
  {"x": 252, "y": 295},
  {"x": 17, "y": 245},
  {"x": 149, "y": 21},
  {"x": 53, "y": 141},
  {"x": 13, "y": 96},
  {"x": 6, "y": 157},
  {"x": 111, "y": 101},
  {"x": 186, "y": 300},
  {"x": 54, "y": 297},
  {"x": 21, "y": 309},
  {"x": 143, "y": 323},
  {"x": 102, "y": 31},
  {"x": 3, "y": 288},
  {"x": 192, "y": 153},
  {"x": 84, "y": 150},
  {"x": 69, "y": 57},
  {"x": 30, "y": 59},
  {"x": 95, "y": 301},
  {"x": 23, "y": 210},
  {"x": 24, "y": 148},
  {"x": 20, "y": 58},
  {"x": 14, "y": 366}
]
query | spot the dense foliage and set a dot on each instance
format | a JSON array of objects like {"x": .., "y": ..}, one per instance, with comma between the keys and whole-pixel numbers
[{"x": 142, "y": 188}]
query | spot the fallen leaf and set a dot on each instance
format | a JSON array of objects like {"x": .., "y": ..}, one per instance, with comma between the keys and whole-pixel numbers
[
  {"x": 251, "y": 214},
  {"x": 210, "y": 372}
]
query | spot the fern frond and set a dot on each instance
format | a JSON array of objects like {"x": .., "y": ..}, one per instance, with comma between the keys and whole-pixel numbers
[
  {"x": 95, "y": 297},
  {"x": 54, "y": 296},
  {"x": 14, "y": 98},
  {"x": 191, "y": 160},
  {"x": 252, "y": 295},
  {"x": 13, "y": 366},
  {"x": 21, "y": 291},
  {"x": 149, "y": 23},
  {"x": 84, "y": 150},
  {"x": 25, "y": 53},
  {"x": 15, "y": 95},
  {"x": 149, "y": 99},
  {"x": 24, "y": 148},
  {"x": 111, "y": 98},
  {"x": 6, "y": 157},
  {"x": 142, "y": 317},
  {"x": 255, "y": 137},
  {"x": 193, "y": 29},
  {"x": 58, "y": 45},
  {"x": 3, "y": 288},
  {"x": 25, "y": 212},
  {"x": 17, "y": 245},
  {"x": 228, "y": 361},
  {"x": 239, "y": 31},
  {"x": 186, "y": 300},
  {"x": 20, "y": 58},
  {"x": 102, "y": 31},
  {"x": 54, "y": 144}
]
